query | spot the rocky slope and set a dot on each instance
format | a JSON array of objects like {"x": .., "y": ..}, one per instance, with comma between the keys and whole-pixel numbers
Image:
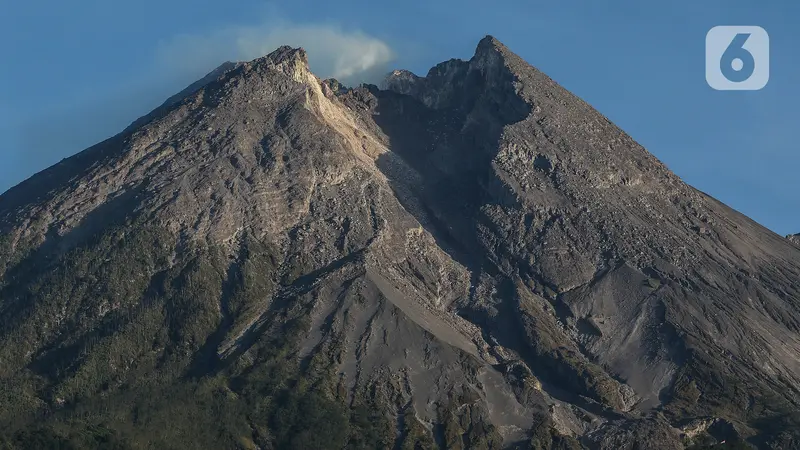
[{"x": 473, "y": 259}]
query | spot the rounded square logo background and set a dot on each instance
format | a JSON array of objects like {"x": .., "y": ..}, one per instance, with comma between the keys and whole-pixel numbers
[{"x": 722, "y": 39}]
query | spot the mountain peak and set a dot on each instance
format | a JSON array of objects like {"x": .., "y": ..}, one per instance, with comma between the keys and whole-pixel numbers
[
  {"x": 291, "y": 61},
  {"x": 287, "y": 53},
  {"x": 456, "y": 82},
  {"x": 490, "y": 43}
]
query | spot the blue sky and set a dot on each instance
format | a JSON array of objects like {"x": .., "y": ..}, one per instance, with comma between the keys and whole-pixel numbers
[{"x": 74, "y": 73}]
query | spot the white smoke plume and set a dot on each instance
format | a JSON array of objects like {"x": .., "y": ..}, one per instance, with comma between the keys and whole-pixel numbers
[{"x": 348, "y": 55}]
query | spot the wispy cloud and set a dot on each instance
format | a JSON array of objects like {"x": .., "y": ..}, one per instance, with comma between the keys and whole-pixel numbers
[{"x": 349, "y": 55}]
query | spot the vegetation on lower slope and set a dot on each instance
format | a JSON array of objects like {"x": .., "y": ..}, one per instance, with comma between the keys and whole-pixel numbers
[{"x": 115, "y": 347}]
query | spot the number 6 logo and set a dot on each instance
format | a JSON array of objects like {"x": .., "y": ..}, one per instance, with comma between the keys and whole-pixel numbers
[{"x": 737, "y": 58}]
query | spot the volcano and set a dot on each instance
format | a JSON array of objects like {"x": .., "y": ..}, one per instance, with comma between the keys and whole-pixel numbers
[{"x": 474, "y": 259}]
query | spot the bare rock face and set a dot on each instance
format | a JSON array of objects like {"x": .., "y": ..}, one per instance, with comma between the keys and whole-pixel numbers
[
  {"x": 795, "y": 238},
  {"x": 471, "y": 259}
]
